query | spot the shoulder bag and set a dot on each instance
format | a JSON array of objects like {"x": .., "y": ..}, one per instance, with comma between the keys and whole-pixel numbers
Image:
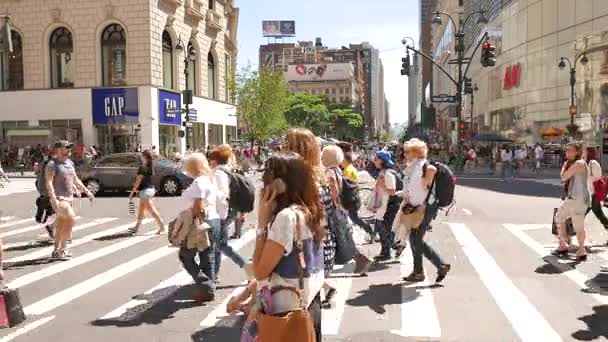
[{"x": 293, "y": 326}]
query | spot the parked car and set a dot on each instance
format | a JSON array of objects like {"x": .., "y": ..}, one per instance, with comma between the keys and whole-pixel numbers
[{"x": 117, "y": 172}]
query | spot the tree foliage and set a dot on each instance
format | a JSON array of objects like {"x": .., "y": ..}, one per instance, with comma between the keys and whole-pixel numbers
[
  {"x": 307, "y": 111},
  {"x": 262, "y": 100}
]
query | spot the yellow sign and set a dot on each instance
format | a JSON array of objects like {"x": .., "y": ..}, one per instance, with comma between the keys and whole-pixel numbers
[{"x": 572, "y": 109}]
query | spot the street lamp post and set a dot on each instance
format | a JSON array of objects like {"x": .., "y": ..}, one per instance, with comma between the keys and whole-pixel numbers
[
  {"x": 584, "y": 60},
  {"x": 475, "y": 89},
  {"x": 460, "y": 60},
  {"x": 189, "y": 56}
]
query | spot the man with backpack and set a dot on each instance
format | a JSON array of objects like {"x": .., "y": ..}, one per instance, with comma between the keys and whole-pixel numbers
[
  {"x": 427, "y": 187},
  {"x": 237, "y": 195}
]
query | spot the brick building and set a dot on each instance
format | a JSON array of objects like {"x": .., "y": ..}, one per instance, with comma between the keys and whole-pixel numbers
[{"x": 108, "y": 72}]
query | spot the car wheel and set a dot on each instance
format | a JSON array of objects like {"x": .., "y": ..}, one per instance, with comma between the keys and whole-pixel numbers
[
  {"x": 170, "y": 186},
  {"x": 93, "y": 186}
]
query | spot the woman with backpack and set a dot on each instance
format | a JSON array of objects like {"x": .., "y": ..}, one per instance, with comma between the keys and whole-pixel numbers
[
  {"x": 218, "y": 161},
  {"x": 418, "y": 210}
]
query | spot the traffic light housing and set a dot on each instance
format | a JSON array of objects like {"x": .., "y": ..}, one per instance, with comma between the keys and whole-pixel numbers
[
  {"x": 405, "y": 65},
  {"x": 488, "y": 55},
  {"x": 468, "y": 86},
  {"x": 464, "y": 128}
]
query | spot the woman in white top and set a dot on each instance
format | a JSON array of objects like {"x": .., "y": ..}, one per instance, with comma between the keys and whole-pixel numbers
[
  {"x": 290, "y": 197},
  {"x": 201, "y": 198},
  {"x": 595, "y": 173},
  {"x": 506, "y": 157}
]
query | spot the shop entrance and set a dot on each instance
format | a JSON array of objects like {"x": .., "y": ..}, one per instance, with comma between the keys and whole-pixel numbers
[{"x": 118, "y": 138}]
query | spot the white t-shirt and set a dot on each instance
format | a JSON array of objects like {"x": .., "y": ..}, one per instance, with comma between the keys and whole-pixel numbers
[
  {"x": 202, "y": 188},
  {"x": 283, "y": 232},
  {"x": 390, "y": 182},
  {"x": 221, "y": 180},
  {"x": 414, "y": 190},
  {"x": 538, "y": 152},
  {"x": 506, "y": 156}
]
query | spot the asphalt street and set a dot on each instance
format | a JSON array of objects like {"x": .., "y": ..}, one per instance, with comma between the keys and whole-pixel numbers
[{"x": 503, "y": 286}]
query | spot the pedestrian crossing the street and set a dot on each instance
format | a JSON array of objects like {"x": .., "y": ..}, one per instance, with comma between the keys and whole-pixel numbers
[
  {"x": 17, "y": 186},
  {"x": 512, "y": 296}
]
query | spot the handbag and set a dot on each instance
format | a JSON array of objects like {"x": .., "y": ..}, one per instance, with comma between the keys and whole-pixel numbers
[
  {"x": 342, "y": 228},
  {"x": 569, "y": 225},
  {"x": 296, "y": 325},
  {"x": 11, "y": 311}
]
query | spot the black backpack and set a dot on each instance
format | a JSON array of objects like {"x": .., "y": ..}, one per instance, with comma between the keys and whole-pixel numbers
[
  {"x": 398, "y": 178},
  {"x": 242, "y": 192},
  {"x": 444, "y": 183},
  {"x": 349, "y": 193}
]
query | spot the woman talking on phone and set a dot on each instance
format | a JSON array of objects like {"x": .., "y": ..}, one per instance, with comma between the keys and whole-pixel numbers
[
  {"x": 144, "y": 186},
  {"x": 289, "y": 224}
]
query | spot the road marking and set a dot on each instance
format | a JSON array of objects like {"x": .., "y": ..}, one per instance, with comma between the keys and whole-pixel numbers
[
  {"x": 467, "y": 211},
  {"x": 179, "y": 279},
  {"x": 529, "y": 324},
  {"x": 418, "y": 312},
  {"x": 14, "y": 223},
  {"x": 26, "y": 328},
  {"x": 6, "y": 218},
  {"x": 66, "y": 296},
  {"x": 219, "y": 312},
  {"x": 64, "y": 266},
  {"x": 25, "y": 230},
  {"x": 332, "y": 317},
  {"x": 77, "y": 242},
  {"x": 579, "y": 278}
]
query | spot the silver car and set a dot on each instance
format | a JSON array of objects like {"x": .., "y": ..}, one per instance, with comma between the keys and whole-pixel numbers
[{"x": 117, "y": 172}]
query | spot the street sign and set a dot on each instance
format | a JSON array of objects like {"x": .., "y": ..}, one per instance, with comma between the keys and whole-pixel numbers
[
  {"x": 192, "y": 115},
  {"x": 192, "y": 111},
  {"x": 444, "y": 98},
  {"x": 172, "y": 111}
]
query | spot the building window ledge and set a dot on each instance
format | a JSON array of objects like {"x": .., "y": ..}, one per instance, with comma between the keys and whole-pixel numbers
[
  {"x": 213, "y": 20},
  {"x": 174, "y": 3},
  {"x": 193, "y": 9}
]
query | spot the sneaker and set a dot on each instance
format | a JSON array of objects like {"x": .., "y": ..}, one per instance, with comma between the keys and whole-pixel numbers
[
  {"x": 382, "y": 257},
  {"x": 604, "y": 268},
  {"x": 414, "y": 277},
  {"x": 442, "y": 272},
  {"x": 50, "y": 231},
  {"x": 201, "y": 296},
  {"x": 329, "y": 296},
  {"x": 362, "y": 264},
  {"x": 60, "y": 256},
  {"x": 398, "y": 251}
]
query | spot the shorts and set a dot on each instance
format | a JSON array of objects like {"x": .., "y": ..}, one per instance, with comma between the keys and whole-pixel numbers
[
  {"x": 147, "y": 194},
  {"x": 64, "y": 209},
  {"x": 572, "y": 209}
]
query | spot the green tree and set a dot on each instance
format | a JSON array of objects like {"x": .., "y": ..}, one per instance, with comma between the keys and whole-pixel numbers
[
  {"x": 262, "y": 100},
  {"x": 346, "y": 123},
  {"x": 309, "y": 111}
]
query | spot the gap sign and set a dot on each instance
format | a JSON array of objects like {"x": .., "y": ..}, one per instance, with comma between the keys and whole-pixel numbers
[
  {"x": 115, "y": 106},
  {"x": 169, "y": 108}
]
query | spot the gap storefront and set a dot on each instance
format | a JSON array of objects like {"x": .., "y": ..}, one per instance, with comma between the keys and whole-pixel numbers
[
  {"x": 169, "y": 123},
  {"x": 116, "y": 119}
]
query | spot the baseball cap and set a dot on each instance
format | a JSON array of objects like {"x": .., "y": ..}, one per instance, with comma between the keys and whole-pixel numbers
[
  {"x": 63, "y": 144},
  {"x": 386, "y": 157}
]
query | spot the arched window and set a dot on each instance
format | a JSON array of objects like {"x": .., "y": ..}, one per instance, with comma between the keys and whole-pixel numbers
[
  {"x": 192, "y": 65},
  {"x": 210, "y": 76},
  {"x": 61, "y": 48},
  {"x": 11, "y": 65},
  {"x": 167, "y": 60},
  {"x": 114, "y": 56}
]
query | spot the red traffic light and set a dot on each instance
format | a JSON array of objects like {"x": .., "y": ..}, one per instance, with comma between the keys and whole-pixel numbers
[
  {"x": 486, "y": 45},
  {"x": 462, "y": 125}
]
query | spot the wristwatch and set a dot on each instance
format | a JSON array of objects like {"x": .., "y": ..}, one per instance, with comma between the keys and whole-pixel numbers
[{"x": 260, "y": 233}]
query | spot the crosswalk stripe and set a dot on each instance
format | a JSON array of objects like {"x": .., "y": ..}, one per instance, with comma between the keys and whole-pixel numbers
[
  {"x": 14, "y": 223},
  {"x": 525, "y": 319},
  {"x": 66, "y": 296},
  {"x": 77, "y": 242},
  {"x": 57, "y": 268},
  {"x": 180, "y": 279},
  {"x": 573, "y": 274},
  {"x": 26, "y": 328},
  {"x": 332, "y": 317},
  {"x": 24, "y": 230},
  {"x": 418, "y": 312}
]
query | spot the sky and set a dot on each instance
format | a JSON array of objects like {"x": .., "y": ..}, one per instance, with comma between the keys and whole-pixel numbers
[{"x": 383, "y": 23}]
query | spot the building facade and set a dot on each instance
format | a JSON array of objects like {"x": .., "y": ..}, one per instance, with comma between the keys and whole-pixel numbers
[
  {"x": 526, "y": 92},
  {"x": 336, "y": 81},
  {"x": 425, "y": 44},
  {"x": 111, "y": 73}
]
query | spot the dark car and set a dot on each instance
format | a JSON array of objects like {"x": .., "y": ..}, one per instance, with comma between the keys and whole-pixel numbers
[{"x": 117, "y": 172}]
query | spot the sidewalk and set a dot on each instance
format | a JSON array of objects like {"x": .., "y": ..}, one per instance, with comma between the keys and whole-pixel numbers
[
  {"x": 26, "y": 174},
  {"x": 551, "y": 173}
]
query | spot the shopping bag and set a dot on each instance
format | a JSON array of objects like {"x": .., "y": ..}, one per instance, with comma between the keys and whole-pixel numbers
[
  {"x": 569, "y": 225},
  {"x": 11, "y": 311}
]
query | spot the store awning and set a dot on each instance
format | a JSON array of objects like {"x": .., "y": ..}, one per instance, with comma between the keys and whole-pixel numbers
[{"x": 553, "y": 132}]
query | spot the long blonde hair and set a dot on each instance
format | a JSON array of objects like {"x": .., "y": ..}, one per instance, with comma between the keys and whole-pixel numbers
[{"x": 303, "y": 142}]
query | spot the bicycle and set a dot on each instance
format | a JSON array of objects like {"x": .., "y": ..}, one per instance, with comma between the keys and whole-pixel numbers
[{"x": 365, "y": 194}]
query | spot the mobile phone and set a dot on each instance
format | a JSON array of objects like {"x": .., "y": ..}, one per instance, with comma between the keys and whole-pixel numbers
[{"x": 278, "y": 186}]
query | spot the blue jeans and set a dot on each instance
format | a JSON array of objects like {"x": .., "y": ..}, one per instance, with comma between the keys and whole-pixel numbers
[
  {"x": 232, "y": 217},
  {"x": 201, "y": 273},
  {"x": 220, "y": 240},
  {"x": 507, "y": 169},
  {"x": 384, "y": 227},
  {"x": 354, "y": 216},
  {"x": 419, "y": 247}
]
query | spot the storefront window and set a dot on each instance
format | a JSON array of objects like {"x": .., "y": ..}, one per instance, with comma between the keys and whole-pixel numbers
[
  {"x": 61, "y": 48},
  {"x": 114, "y": 56},
  {"x": 198, "y": 135},
  {"x": 117, "y": 138},
  {"x": 215, "y": 135},
  {"x": 167, "y": 136},
  {"x": 192, "y": 65},
  {"x": 231, "y": 134},
  {"x": 11, "y": 65},
  {"x": 167, "y": 60},
  {"x": 210, "y": 76}
]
